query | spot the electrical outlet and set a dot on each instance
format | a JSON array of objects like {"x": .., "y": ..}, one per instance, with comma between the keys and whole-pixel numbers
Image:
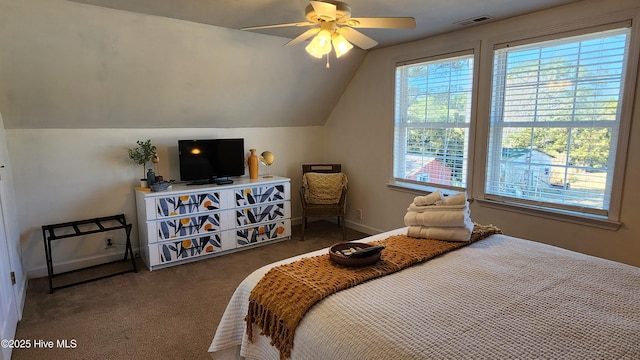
[
  {"x": 108, "y": 243},
  {"x": 359, "y": 214}
]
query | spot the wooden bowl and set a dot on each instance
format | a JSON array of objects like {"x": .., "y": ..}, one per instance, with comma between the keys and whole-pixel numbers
[{"x": 337, "y": 257}]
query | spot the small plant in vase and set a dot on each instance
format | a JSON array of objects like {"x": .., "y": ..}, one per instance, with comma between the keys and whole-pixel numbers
[{"x": 141, "y": 155}]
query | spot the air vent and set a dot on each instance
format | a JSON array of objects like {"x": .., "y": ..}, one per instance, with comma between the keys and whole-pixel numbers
[{"x": 475, "y": 20}]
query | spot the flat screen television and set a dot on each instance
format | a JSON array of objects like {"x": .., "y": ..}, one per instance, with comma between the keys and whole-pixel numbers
[{"x": 211, "y": 161}]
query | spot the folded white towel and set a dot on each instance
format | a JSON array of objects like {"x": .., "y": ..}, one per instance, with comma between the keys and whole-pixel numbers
[
  {"x": 455, "y": 199},
  {"x": 428, "y": 199},
  {"x": 449, "y": 218},
  {"x": 439, "y": 233},
  {"x": 433, "y": 208}
]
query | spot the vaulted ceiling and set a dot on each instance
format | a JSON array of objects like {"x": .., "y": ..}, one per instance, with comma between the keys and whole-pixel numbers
[
  {"x": 432, "y": 16},
  {"x": 185, "y": 63}
]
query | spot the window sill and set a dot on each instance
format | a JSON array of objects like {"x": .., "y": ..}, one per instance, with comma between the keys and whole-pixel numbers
[
  {"x": 558, "y": 215},
  {"x": 419, "y": 189}
]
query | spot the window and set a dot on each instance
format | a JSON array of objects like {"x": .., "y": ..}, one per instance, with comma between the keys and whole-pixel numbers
[
  {"x": 555, "y": 118},
  {"x": 432, "y": 117}
]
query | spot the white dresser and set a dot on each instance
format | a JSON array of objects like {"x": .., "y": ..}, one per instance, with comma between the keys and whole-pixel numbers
[{"x": 192, "y": 222}]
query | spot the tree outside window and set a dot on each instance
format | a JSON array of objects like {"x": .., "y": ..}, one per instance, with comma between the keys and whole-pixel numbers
[
  {"x": 433, "y": 111},
  {"x": 561, "y": 98}
]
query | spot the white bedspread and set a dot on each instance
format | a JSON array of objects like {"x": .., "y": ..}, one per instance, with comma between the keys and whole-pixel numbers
[{"x": 501, "y": 297}]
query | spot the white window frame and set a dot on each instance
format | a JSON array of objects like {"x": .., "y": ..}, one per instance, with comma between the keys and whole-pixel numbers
[
  {"x": 421, "y": 186},
  {"x": 610, "y": 218}
]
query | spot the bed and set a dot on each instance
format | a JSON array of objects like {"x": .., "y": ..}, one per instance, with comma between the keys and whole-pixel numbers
[{"x": 500, "y": 297}]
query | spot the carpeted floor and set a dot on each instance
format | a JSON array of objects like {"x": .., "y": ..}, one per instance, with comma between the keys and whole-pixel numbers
[{"x": 165, "y": 314}]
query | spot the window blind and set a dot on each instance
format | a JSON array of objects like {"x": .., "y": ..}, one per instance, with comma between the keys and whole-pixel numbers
[
  {"x": 555, "y": 116},
  {"x": 432, "y": 117}
]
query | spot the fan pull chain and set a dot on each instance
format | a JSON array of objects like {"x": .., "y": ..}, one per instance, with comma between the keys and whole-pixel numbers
[{"x": 328, "y": 65}]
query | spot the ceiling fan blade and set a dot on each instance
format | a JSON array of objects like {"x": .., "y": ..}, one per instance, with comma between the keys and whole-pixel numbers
[
  {"x": 383, "y": 22},
  {"x": 325, "y": 11},
  {"x": 302, "y": 37},
  {"x": 357, "y": 38},
  {"x": 305, "y": 23}
]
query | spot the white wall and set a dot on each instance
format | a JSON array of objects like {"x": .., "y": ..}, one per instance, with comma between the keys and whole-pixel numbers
[
  {"x": 72, "y": 174},
  {"x": 70, "y": 65},
  {"x": 360, "y": 133},
  {"x": 79, "y": 84}
]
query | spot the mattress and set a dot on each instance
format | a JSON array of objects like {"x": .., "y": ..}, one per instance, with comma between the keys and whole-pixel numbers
[{"x": 501, "y": 297}]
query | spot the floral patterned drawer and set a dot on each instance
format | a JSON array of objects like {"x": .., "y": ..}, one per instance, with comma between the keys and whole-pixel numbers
[
  {"x": 195, "y": 225},
  {"x": 261, "y": 194},
  {"x": 263, "y": 213},
  {"x": 188, "y": 204},
  {"x": 264, "y": 232},
  {"x": 193, "y": 247}
]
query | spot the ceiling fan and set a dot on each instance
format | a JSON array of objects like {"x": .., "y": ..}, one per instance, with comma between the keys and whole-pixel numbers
[{"x": 333, "y": 24}]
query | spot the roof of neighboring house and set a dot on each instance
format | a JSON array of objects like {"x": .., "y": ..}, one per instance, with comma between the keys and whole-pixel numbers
[{"x": 515, "y": 153}]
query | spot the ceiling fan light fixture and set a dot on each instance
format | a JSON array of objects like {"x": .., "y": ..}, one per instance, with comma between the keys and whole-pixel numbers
[
  {"x": 313, "y": 51},
  {"x": 341, "y": 45},
  {"x": 333, "y": 25},
  {"x": 320, "y": 45}
]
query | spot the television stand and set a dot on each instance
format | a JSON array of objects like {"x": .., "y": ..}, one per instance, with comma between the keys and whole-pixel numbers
[
  {"x": 225, "y": 181},
  {"x": 189, "y": 223},
  {"x": 200, "y": 182}
]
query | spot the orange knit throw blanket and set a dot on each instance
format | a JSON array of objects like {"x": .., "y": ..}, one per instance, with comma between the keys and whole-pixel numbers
[{"x": 284, "y": 294}]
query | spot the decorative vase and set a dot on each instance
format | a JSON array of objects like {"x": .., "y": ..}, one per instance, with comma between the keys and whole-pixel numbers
[
  {"x": 252, "y": 161},
  {"x": 151, "y": 177}
]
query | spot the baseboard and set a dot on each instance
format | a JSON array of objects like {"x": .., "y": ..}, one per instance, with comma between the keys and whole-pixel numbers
[
  {"x": 349, "y": 223},
  {"x": 362, "y": 228},
  {"x": 61, "y": 267}
]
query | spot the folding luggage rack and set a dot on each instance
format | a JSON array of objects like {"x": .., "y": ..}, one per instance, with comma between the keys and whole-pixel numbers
[{"x": 73, "y": 229}]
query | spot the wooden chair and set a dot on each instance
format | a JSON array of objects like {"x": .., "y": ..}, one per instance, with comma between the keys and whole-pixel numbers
[{"x": 314, "y": 203}]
